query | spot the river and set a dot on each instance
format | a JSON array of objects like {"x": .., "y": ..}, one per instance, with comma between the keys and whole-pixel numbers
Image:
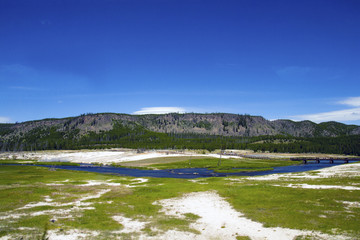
[{"x": 188, "y": 172}]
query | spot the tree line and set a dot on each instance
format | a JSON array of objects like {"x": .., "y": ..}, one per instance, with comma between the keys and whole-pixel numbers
[{"x": 137, "y": 137}]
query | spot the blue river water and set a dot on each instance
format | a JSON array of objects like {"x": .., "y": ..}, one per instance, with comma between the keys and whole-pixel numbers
[{"x": 189, "y": 172}]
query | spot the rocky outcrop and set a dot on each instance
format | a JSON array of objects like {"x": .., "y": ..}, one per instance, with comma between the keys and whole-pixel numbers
[{"x": 214, "y": 124}]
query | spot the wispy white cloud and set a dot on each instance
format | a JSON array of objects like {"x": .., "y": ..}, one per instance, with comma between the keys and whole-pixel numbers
[
  {"x": 160, "y": 110},
  {"x": 5, "y": 119},
  {"x": 339, "y": 116},
  {"x": 351, "y": 101},
  {"x": 346, "y": 115}
]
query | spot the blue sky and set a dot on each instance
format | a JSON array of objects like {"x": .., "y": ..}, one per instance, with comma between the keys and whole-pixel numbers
[{"x": 279, "y": 59}]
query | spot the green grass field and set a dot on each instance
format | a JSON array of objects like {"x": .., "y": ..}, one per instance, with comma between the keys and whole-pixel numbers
[
  {"x": 218, "y": 165},
  {"x": 268, "y": 202},
  {"x": 160, "y": 160}
]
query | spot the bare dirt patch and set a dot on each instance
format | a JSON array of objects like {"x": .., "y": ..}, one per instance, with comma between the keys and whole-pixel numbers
[
  {"x": 344, "y": 170},
  {"x": 218, "y": 220},
  {"x": 108, "y": 156}
]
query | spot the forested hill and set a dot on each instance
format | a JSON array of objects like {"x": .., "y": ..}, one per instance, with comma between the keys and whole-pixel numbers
[
  {"x": 145, "y": 130},
  {"x": 213, "y": 124}
]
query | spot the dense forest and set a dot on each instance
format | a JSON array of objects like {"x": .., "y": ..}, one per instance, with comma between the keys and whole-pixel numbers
[{"x": 137, "y": 137}]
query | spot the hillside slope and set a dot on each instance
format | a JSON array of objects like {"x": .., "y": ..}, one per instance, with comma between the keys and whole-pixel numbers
[
  {"x": 205, "y": 131},
  {"x": 223, "y": 124}
]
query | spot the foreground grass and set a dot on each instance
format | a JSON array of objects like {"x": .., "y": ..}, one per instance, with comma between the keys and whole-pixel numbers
[
  {"x": 322, "y": 210},
  {"x": 269, "y": 202}
]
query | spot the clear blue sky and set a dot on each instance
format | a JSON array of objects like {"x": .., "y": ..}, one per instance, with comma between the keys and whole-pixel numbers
[{"x": 296, "y": 59}]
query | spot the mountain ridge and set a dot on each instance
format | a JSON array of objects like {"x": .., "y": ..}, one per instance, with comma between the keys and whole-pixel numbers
[
  {"x": 180, "y": 131},
  {"x": 223, "y": 124}
]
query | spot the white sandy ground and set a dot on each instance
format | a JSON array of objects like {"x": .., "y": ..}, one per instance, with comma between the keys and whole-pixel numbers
[
  {"x": 350, "y": 205},
  {"x": 71, "y": 235},
  {"x": 109, "y": 182},
  {"x": 218, "y": 220},
  {"x": 308, "y": 186},
  {"x": 101, "y": 156},
  {"x": 76, "y": 206},
  {"x": 74, "y": 234},
  {"x": 344, "y": 170},
  {"x": 118, "y": 155},
  {"x": 130, "y": 225}
]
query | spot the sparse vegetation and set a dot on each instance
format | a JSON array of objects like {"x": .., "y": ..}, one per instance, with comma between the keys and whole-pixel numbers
[{"x": 268, "y": 202}]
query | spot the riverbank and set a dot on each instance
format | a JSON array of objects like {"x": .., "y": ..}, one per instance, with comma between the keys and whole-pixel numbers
[
  {"x": 110, "y": 156},
  {"x": 116, "y": 156}
]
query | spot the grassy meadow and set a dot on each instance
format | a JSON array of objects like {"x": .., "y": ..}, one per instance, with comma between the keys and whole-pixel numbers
[
  {"x": 216, "y": 164},
  {"x": 37, "y": 200}
]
